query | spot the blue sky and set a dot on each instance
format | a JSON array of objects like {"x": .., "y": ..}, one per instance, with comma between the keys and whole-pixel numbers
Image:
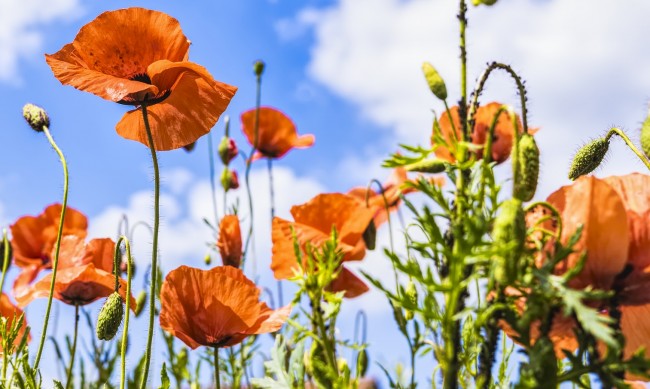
[{"x": 347, "y": 71}]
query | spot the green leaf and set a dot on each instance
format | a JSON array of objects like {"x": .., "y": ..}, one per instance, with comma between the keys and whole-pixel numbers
[{"x": 165, "y": 384}]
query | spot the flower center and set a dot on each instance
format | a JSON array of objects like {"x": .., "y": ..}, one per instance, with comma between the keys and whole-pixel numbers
[{"x": 148, "y": 99}]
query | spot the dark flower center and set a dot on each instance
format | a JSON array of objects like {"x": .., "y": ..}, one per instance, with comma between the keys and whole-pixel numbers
[
  {"x": 148, "y": 100},
  {"x": 142, "y": 77}
]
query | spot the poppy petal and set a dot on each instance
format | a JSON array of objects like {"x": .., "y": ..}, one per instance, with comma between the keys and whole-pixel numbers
[
  {"x": 304, "y": 141},
  {"x": 348, "y": 282},
  {"x": 635, "y": 324},
  {"x": 230, "y": 243},
  {"x": 276, "y": 133}
]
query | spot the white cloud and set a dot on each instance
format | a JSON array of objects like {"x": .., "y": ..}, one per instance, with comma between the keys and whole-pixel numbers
[
  {"x": 585, "y": 70},
  {"x": 21, "y": 30}
]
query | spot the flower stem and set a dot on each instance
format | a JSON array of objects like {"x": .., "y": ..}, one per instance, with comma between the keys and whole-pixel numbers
[
  {"x": 154, "y": 252},
  {"x": 57, "y": 245},
  {"x": 70, "y": 378},
  {"x": 212, "y": 180},
  {"x": 128, "y": 307},
  {"x": 5, "y": 258},
  {"x": 217, "y": 379},
  {"x": 630, "y": 144}
]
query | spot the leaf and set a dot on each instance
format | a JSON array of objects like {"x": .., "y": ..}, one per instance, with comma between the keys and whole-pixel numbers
[{"x": 164, "y": 378}]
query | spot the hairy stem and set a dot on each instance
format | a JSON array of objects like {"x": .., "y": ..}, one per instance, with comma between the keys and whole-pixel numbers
[{"x": 70, "y": 378}]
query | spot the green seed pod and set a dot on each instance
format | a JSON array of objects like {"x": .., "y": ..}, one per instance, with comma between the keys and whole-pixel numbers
[
  {"x": 436, "y": 83},
  {"x": 370, "y": 235},
  {"x": 645, "y": 136},
  {"x": 110, "y": 317},
  {"x": 509, "y": 229},
  {"x": 258, "y": 67},
  {"x": 588, "y": 158},
  {"x": 36, "y": 117},
  {"x": 140, "y": 302},
  {"x": 430, "y": 165},
  {"x": 528, "y": 162},
  {"x": 362, "y": 362}
]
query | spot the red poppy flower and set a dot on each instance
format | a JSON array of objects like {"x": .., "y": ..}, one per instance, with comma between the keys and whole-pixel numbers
[
  {"x": 229, "y": 243},
  {"x": 10, "y": 311},
  {"x": 313, "y": 224},
  {"x": 138, "y": 56},
  {"x": 503, "y": 132},
  {"x": 85, "y": 274},
  {"x": 215, "y": 308},
  {"x": 33, "y": 239},
  {"x": 276, "y": 133}
]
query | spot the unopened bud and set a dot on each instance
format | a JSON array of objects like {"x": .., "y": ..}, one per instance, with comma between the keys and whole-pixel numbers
[
  {"x": 140, "y": 302},
  {"x": 370, "y": 235},
  {"x": 436, "y": 83},
  {"x": 588, "y": 158},
  {"x": 485, "y": 2},
  {"x": 227, "y": 150},
  {"x": 509, "y": 230},
  {"x": 362, "y": 362},
  {"x": 258, "y": 67},
  {"x": 229, "y": 179},
  {"x": 645, "y": 136},
  {"x": 207, "y": 260},
  {"x": 430, "y": 165},
  {"x": 110, "y": 317},
  {"x": 3, "y": 250},
  {"x": 36, "y": 117},
  {"x": 528, "y": 161}
]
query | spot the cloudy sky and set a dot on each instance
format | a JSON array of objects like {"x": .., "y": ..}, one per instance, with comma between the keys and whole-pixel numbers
[{"x": 347, "y": 71}]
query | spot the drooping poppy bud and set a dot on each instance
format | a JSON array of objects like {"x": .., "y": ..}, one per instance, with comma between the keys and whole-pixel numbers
[
  {"x": 227, "y": 150},
  {"x": 588, "y": 158},
  {"x": 362, "y": 362},
  {"x": 110, "y": 317},
  {"x": 258, "y": 67},
  {"x": 370, "y": 235},
  {"x": 436, "y": 83},
  {"x": 430, "y": 165},
  {"x": 528, "y": 161},
  {"x": 229, "y": 179},
  {"x": 509, "y": 230},
  {"x": 36, "y": 117},
  {"x": 2, "y": 254},
  {"x": 140, "y": 302},
  {"x": 645, "y": 136}
]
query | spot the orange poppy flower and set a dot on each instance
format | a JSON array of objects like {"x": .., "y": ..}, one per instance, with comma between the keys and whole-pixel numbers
[
  {"x": 138, "y": 56},
  {"x": 503, "y": 132},
  {"x": 33, "y": 239},
  {"x": 215, "y": 308},
  {"x": 229, "y": 244},
  {"x": 85, "y": 274},
  {"x": 313, "y": 224},
  {"x": 10, "y": 311},
  {"x": 276, "y": 133},
  {"x": 615, "y": 215}
]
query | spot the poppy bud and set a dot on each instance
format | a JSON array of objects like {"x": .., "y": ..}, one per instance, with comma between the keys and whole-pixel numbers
[
  {"x": 227, "y": 150},
  {"x": 588, "y": 158},
  {"x": 370, "y": 235},
  {"x": 528, "y": 161},
  {"x": 229, "y": 179},
  {"x": 436, "y": 83},
  {"x": 110, "y": 317},
  {"x": 140, "y": 301},
  {"x": 645, "y": 136},
  {"x": 362, "y": 362},
  {"x": 2, "y": 254},
  {"x": 509, "y": 229},
  {"x": 342, "y": 365},
  {"x": 207, "y": 260},
  {"x": 258, "y": 67},
  {"x": 430, "y": 165},
  {"x": 36, "y": 117}
]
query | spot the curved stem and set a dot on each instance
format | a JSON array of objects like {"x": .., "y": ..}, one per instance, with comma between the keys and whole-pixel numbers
[
  {"x": 128, "y": 307},
  {"x": 553, "y": 210},
  {"x": 212, "y": 180},
  {"x": 154, "y": 252},
  {"x": 629, "y": 143},
  {"x": 5, "y": 258},
  {"x": 249, "y": 162},
  {"x": 70, "y": 378},
  {"x": 57, "y": 245},
  {"x": 217, "y": 379}
]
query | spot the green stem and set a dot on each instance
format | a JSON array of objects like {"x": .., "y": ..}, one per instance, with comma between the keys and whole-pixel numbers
[
  {"x": 217, "y": 379},
  {"x": 154, "y": 252},
  {"x": 212, "y": 180},
  {"x": 515, "y": 152},
  {"x": 629, "y": 143},
  {"x": 70, "y": 378},
  {"x": 57, "y": 246},
  {"x": 5, "y": 258},
  {"x": 129, "y": 268},
  {"x": 249, "y": 162},
  {"x": 554, "y": 211},
  {"x": 462, "y": 17}
]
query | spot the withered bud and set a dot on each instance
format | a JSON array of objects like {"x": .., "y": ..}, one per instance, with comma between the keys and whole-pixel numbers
[
  {"x": 110, "y": 317},
  {"x": 528, "y": 161},
  {"x": 430, "y": 165},
  {"x": 258, "y": 67},
  {"x": 36, "y": 117},
  {"x": 588, "y": 158},
  {"x": 436, "y": 83},
  {"x": 229, "y": 179},
  {"x": 227, "y": 150}
]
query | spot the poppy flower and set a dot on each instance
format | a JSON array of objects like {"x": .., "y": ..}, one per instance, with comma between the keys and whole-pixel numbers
[
  {"x": 276, "y": 133},
  {"x": 137, "y": 56},
  {"x": 85, "y": 274},
  {"x": 34, "y": 237},
  {"x": 503, "y": 132},
  {"x": 313, "y": 223},
  {"x": 229, "y": 243},
  {"x": 215, "y": 308},
  {"x": 10, "y": 311},
  {"x": 615, "y": 215}
]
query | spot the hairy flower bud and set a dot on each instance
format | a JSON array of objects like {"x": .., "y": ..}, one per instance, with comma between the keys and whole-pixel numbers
[
  {"x": 430, "y": 165},
  {"x": 370, "y": 235},
  {"x": 110, "y": 317},
  {"x": 528, "y": 161},
  {"x": 436, "y": 83},
  {"x": 588, "y": 158},
  {"x": 229, "y": 179},
  {"x": 227, "y": 150},
  {"x": 36, "y": 117},
  {"x": 258, "y": 67},
  {"x": 140, "y": 302},
  {"x": 509, "y": 230}
]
